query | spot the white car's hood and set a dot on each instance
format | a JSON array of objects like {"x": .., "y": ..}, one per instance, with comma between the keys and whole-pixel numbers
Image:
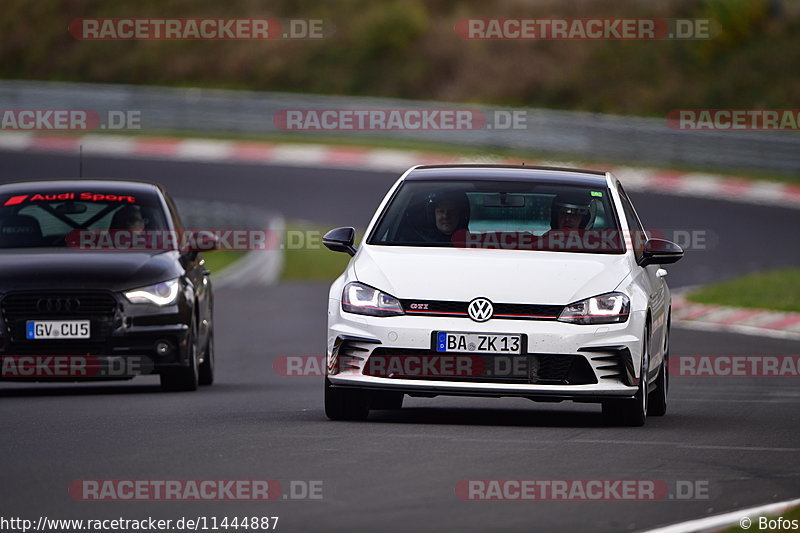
[{"x": 507, "y": 276}]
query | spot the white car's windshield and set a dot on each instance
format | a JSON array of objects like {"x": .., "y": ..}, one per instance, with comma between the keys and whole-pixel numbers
[{"x": 500, "y": 214}]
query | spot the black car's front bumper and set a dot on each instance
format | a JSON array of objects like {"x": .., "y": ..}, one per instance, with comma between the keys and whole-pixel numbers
[{"x": 125, "y": 339}]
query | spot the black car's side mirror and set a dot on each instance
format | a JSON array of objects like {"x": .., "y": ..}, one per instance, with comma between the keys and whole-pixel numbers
[
  {"x": 660, "y": 252},
  {"x": 194, "y": 242},
  {"x": 340, "y": 240},
  {"x": 206, "y": 240},
  {"x": 188, "y": 255}
]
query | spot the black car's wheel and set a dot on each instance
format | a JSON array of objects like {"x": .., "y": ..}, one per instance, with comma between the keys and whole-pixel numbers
[
  {"x": 206, "y": 373},
  {"x": 346, "y": 404},
  {"x": 185, "y": 378},
  {"x": 632, "y": 412}
]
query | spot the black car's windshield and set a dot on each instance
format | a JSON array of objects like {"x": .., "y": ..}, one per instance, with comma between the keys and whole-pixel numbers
[
  {"x": 56, "y": 219},
  {"x": 500, "y": 214}
]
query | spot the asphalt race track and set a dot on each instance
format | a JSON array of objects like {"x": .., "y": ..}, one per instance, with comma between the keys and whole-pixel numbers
[{"x": 737, "y": 437}]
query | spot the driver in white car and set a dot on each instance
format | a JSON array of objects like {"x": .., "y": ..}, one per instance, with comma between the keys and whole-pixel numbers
[{"x": 447, "y": 213}]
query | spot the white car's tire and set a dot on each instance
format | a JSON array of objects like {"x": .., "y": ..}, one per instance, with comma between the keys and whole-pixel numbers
[
  {"x": 346, "y": 404},
  {"x": 658, "y": 398},
  {"x": 632, "y": 412},
  {"x": 387, "y": 400}
]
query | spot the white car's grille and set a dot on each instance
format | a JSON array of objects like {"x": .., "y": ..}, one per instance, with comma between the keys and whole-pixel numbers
[{"x": 501, "y": 310}]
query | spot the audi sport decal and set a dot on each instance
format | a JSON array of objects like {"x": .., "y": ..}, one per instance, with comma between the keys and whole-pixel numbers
[{"x": 83, "y": 196}]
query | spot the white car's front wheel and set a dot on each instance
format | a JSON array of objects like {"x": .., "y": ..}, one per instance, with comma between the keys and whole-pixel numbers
[
  {"x": 658, "y": 398},
  {"x": 346, "y": 404},
  {"x": 632, "y": 412}
]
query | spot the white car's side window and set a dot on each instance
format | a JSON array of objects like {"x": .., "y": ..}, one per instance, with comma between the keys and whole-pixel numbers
[{"x": 638, "y": 234}]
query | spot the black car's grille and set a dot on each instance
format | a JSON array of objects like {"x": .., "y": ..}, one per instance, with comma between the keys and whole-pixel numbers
[
  {"x": 543, "y": 369},
  {"x": 19, "y": 307},
  {"x": 63, "y": 304},
  {"x": 501, "y": 310}
]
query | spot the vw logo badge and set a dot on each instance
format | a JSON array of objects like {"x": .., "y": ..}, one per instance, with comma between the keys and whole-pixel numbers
[{"x": 480, "y": 309}]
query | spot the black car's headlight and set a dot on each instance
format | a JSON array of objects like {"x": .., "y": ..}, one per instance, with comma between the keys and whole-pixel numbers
[
  {"x": 364, "y": 300},
  {"x": 161, "y": 294},
  {"x": 607, "y": 308}
]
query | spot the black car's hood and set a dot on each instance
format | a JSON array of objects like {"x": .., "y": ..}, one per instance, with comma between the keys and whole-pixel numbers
[{"x": 64, "y": 268}]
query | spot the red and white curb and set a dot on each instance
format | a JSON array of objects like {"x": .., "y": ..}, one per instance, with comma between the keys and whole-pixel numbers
[
  {"x": 744, "y": 518},
  {"x": 708, "y": 317},
  {"x": 326, "y": 156}
]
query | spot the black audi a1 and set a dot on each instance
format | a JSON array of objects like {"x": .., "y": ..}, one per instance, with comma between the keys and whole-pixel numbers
[{"x": 76, "y": 305}]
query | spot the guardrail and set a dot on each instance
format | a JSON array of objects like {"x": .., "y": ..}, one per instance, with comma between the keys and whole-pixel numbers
[
  {"x": 562, "y": 133},
  {"x": 203, "y": 214}
]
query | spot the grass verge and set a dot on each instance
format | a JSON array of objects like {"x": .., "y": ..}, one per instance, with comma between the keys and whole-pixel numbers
[
  {"x": 216, "y": 260},
  {"x": 778, "y": 290},
  {"x": 305, "y": 258}
]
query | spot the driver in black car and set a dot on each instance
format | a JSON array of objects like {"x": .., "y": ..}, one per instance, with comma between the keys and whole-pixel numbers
[
  {"x": 129, "y": 224},
  {"x": 129, "y": 218}
]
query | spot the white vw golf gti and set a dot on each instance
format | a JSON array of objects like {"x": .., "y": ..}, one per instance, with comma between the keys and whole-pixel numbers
[{"x": 490, "y": 280}]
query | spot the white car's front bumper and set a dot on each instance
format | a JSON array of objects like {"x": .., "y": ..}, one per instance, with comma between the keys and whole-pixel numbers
[{"x": 613, "y": 353}]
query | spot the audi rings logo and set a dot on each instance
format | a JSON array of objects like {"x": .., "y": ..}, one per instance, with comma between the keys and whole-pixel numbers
[
  {"x": 480, "y": 309},
  {"x": 58, "y": 305}
]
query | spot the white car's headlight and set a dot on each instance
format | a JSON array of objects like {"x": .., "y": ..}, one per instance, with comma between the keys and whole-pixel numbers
[
  {"x": 364, "y": 300},
  {"x": 607, "y": 308},
  {"x": 161, "y": 294}
]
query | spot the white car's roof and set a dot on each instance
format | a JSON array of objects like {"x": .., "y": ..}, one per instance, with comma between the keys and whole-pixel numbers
[{"x": 567, "y": 176}]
